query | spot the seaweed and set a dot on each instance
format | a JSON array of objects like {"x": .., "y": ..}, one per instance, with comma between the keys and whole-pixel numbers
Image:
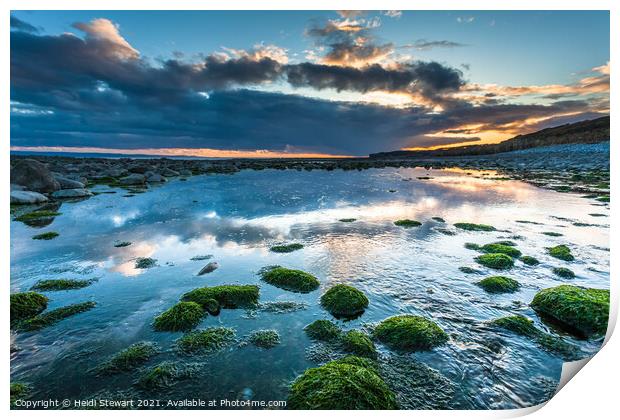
[
  {"x": 410, "y": 333},
  {"x": 345, "y": 301},
  {"x": 288, "y": 279}
]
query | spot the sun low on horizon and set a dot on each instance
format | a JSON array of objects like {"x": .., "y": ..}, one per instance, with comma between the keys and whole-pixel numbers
[{"x": 311, "y": 84}]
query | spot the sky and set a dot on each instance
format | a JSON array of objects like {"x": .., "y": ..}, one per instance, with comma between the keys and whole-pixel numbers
[{"x": 299, "y": 83}]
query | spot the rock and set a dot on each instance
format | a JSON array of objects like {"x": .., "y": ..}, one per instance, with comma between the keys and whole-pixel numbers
[
  {"x": 72, "y": 193},
  {"x": 34, "y": 176},
  {"x": 15, "y": 187},
  {"x": 156, "y": 178},
  {"x": 169, "y": 172},
  {"x": 212, "y": 266},
  {"x": 185, "y": 172},
  {"x": 66, "y": 183},
  {"x": 133, "y": 179},
  {"x": 27, "y": 197}
]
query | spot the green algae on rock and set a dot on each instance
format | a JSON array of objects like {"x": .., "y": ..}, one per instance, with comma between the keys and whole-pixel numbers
[
  {"x": 498, "y": 248},
  {"x": 584, "y": 311},
  {"x": 499, "y": 284},
  {"x": 472, "y": 246},
  {"x": 410, "y": 333},
  {"x": 206, "y": 341},
  {"x": 359, "y": 344},
  {"x": 496, "y": 261},
  {"x": 565, "y": 273},
  {"x": 61, "y": 284},
  {"x": 46, "y": 236},
  {"x": 25, "y": 305},
  {"x": 212, "y": 306},
  {"x": 323, "y": 330},
  {"x": 228, "y": 296},
  {"x": 163, "y": 375},
  {"x": 286, "y": 248},
  {"x": 19, "y": 391},
  {"x": 37, "y": 214},
  {"x": 561, "y": 252},
  {"x": 528, "y": 260},
  {"x": 469, "y": 270},
  {"x": 289, "y": 279},
  {"x": 144, "y": 263},
  {"x": 407, "y": 223},
  {"x": 475, "y": 227},
  {"x": 50, "y": 318},
  {"x": 265, "y": 339},
  {"x": 344, "y": 301},
  {"x": 129, "y": 358},
  {"x": 344, "y": 384},
  {"x": 181, "y": 317}
]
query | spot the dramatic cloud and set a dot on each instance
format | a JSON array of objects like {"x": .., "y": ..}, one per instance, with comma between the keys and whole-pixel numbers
[
  {"x": 20, "y": 25},
  {"x": 103, "y": 32}
]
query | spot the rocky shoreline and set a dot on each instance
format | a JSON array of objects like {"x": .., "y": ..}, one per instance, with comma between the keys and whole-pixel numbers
[{"x": 37, "y": 179}]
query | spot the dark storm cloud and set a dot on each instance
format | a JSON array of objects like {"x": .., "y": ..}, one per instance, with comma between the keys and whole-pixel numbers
[
  {"x": 423, "y": 45},
  {"x": 20, "y": 25}
]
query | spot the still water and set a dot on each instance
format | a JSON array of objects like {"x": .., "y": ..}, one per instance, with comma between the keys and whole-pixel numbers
[{"x": 236, "y": 218}]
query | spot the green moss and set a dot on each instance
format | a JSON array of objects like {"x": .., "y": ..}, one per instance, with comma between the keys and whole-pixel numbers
[
  {"x": 528, "y": 260},
  {"x": 438, "y": 219},
  {"x": 517, "y": 324},
  {"x": 228, "y": 296},
  {"x": 358, "y": 343},
  {"x": 554, "y": 234},
  {"x": 585, "y": 311},
  {"x": 37, "y": 214},
  {"x": 561, "y": 252},
  {"x": 212, "y": 306},
  {"x": 341, "y": 385},
  {"x": 499, "y": 284},
  {"x": 410, "y": 332},
  {"x": 45, "y": 236},
  {"x": 181, "y": 317},
  {"x": 469, "y": 270},
  {"x": 603, "y": 199},
  {"x": 264, "y": 338},
  {"x": 286, "y": 248},
  {"x": 19, "y": 391},
  {"x": 475, "y": 227},
  {"x": 129, "y": 358},
  {"x": 496, "y": 261},
  {"x": 344, "y": 301},
  {"x": 206, "y": 341},
  {"x": 472, "y": 246},
  {"x": 122, "y": 244},
  {"x": 407, "y": 223},
  {"x": 161, "y": 376},
  {"x": 50, "y": 318},
  {"x": 288, "y": 279},
  {"x": 61, "y": 284},
  {"x": 497, "y": 248},
  {"x": 565, "y": 273},
  {"x": 144, "y": 263},
  {"x": 26, "y": 305},
  {"x": 323, "y": 330}
]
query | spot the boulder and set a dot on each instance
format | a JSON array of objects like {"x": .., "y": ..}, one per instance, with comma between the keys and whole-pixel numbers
[
  {"x": 212, "y": 266},
  {"x": 133, "y": 179},
  {"x": 34, "y": 176},
  {"x": 156, "y": 178},
  {"x": 15, "y": 187},
  {"x": 27, "y": 197},
  {"x": 169, "y": 172},
  {"x": 72, "y": 193},
  {"x": 66, "y": 183}
]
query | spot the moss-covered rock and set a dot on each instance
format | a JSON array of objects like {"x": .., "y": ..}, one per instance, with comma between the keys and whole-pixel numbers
[
  {"x": 181, "y": 317},
  {"x": 61, "y": 284},
  {"x": 26, "y": 305},
  {"x": 407, "y": 223},
  {"x": 37, "y": 214},
  {"x": 439, "y": 219},
  {"x": 206, "y": 341},
  {"x": 469, "y": 270},
  {"x": 265, "y": 339},
  {"x": 528, "y": 260},
  {"x": 496, "y": 261},
  {"x": 129, "y": 358},
  {"x": 497, "y": 248},
  {"x": 212, "y": 306},
  {"x": 342, "y": 384},
  {"x": 475, "y": 227},
  {"x": 472, "y": 246},
  {"x": 161, "y": 376},
  {"x": 517, "y": 324},
  {"x": 145, "y": 262},
  {"x": 323, "y": 330},
  {"x": 289, "y": 279},
  {"x": 360, "y": 344},
  {"x": 46, "y": 236},
  {"x": 228, "y": 296},
  {"x": 565, "y": 273},
  {"x": 561, "y": 252},
  {"x": 410, "y": 332},
  {"x": 19, "y": 391},
  {"x": 499, "y": 284},
  {"x": 50, "y": 318},
  {"x": 584, "y": 311},
  {"x": 553, "y": 234},
  {"x": 345, "y": 301},
  {"x": 286, "y": 248}
]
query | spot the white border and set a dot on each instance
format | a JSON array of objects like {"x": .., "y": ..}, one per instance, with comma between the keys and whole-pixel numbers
[{"x": 592, "y": 396}]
